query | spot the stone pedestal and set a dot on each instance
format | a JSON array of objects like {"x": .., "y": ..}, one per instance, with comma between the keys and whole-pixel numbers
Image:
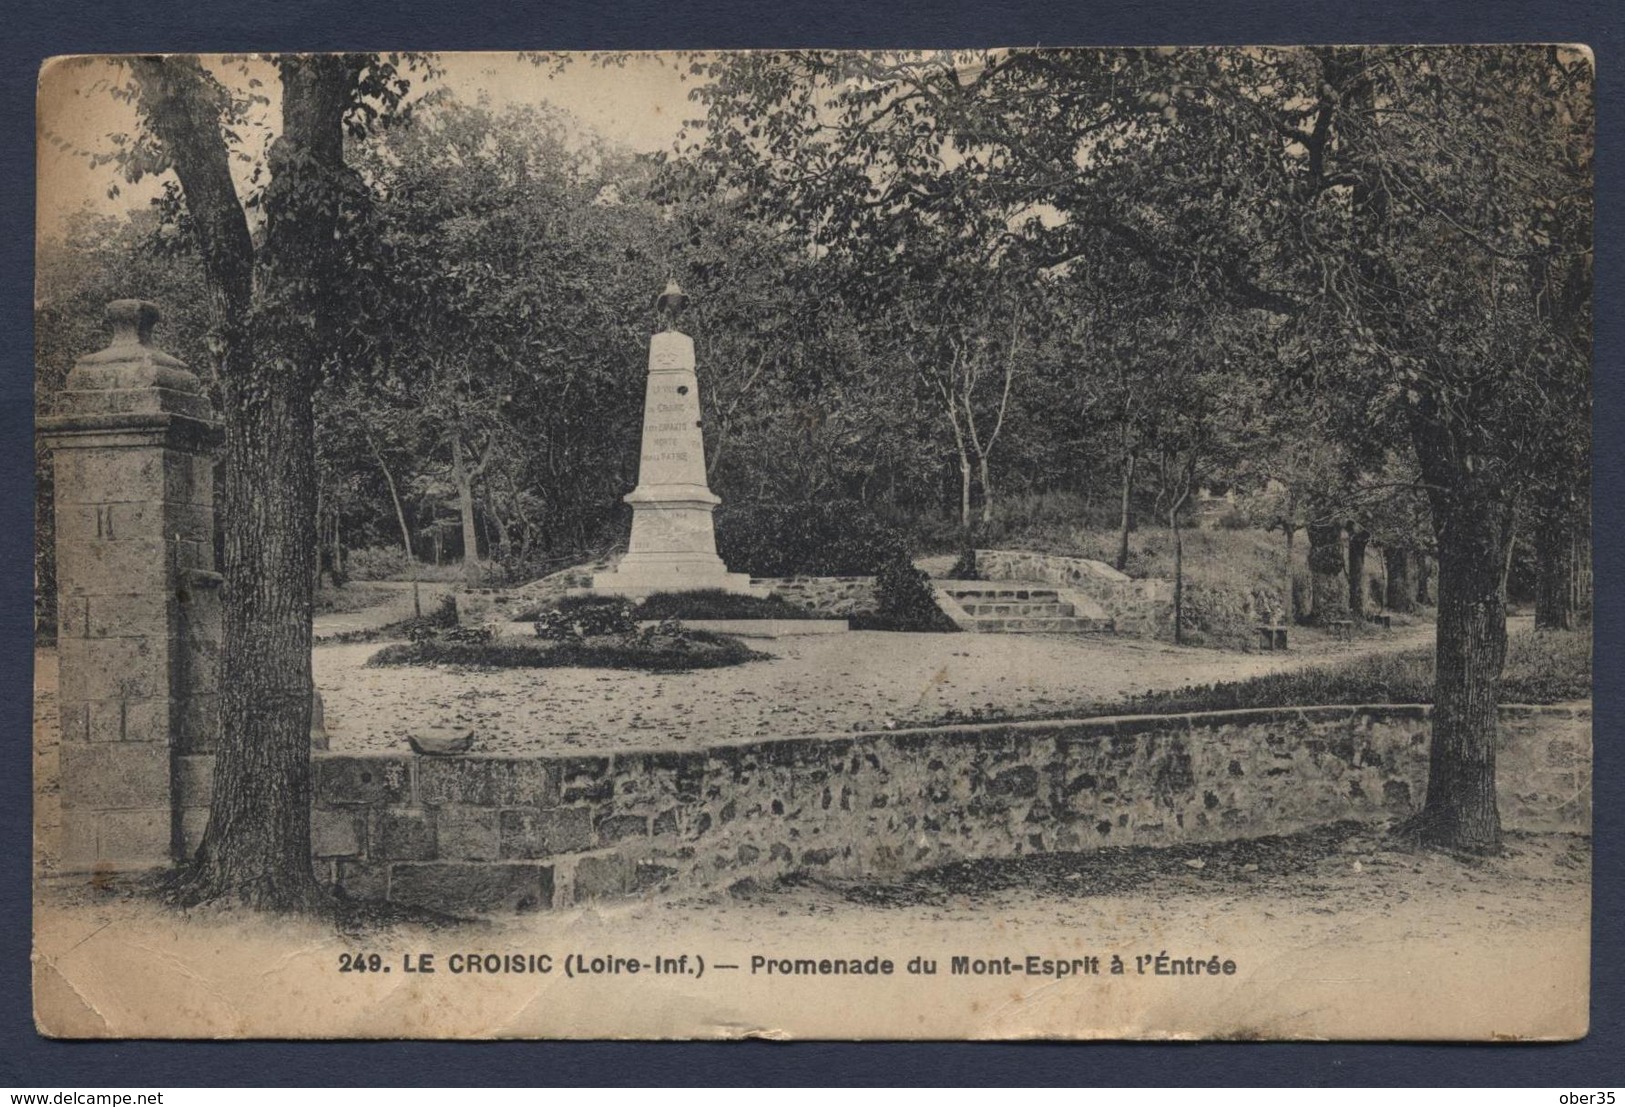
[
  {"x": 673, "y": 546},
  {"x": 138, "y": 598}
]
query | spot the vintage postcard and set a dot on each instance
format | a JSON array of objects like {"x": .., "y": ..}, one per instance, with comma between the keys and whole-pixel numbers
[{"x": 1001, "y": 543}]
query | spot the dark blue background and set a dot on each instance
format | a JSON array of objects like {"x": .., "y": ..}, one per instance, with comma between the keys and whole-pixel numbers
[{"x": 33, "y": 30}]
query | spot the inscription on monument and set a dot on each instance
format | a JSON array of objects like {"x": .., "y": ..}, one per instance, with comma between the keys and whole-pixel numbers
[{"x": 673, "y": 544}]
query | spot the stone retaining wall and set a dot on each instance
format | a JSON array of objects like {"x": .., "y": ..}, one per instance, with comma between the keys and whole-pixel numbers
[
  {"x": 832, "y": 596},
  {"x": 1140, "y": 607},
  {"x": 473, "y": 834}
]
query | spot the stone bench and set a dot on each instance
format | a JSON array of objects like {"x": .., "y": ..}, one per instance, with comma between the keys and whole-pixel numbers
[
  {"x": 1271, "y": 636},
  {"x": 1381, "y": 619}
]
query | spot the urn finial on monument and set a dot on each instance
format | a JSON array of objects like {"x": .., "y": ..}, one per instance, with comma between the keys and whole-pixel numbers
[
  {"x": 673, "y": 547},
  {"x": 669, "y": 303}
]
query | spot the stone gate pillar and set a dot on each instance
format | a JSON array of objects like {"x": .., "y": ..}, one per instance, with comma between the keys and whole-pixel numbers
[{"x": 138, "y": 598}]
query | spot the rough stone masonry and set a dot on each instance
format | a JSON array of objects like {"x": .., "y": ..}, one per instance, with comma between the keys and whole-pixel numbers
[{"x": 478, "y": 834}]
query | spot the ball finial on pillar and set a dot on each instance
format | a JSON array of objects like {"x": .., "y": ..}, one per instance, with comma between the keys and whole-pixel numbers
[{"x": 133, "y": 321}]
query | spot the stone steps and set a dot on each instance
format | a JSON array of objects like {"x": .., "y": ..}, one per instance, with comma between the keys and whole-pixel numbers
[
  {"x": 1021, "y": 607},
  {"x": 1041, "y": 624},
  {"x": 1017, "y": 607},
  {"x": 1001, "y": 592}
]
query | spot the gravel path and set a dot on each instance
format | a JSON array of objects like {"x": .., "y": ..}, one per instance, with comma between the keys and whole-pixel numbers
[{"x": 862, "y": 680}]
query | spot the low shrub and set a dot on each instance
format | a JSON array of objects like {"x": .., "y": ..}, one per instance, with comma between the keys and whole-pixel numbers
[
  {"x": 905, "y": 600},
  {"x": 1547, "y": 666},
  {"x": 376, "y": 563},
  {"x": 432, "y": 625},
  {"x": 391, "y": 563},
  {"x": 351, "y": 597},
  {"x": 614, "y": 615},
  {"x": 666, "y": 648},
  {"x": 576, "y": 617}
]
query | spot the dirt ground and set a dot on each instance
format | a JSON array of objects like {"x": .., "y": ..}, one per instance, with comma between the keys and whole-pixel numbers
[
  {"x": 861, "y": 680},
  {"x": 1341, "y": 932}
]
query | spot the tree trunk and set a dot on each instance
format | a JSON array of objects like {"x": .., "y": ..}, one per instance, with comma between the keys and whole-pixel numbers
[
  {"x": 964, "y": 494},
  {"x": 1358, "y": 540},
  {"x": 1424, "y": 573},
  {"x": 321, "y": 540},
  {"x": 269, "y": 333},
  {"x": 338, "y": 548},
  {"x": 395, "y": 499},
  {"x": 257, "y": 842},
  {"x": 1291, "y": 600},
  {"x": 1580, "y": 579},
  {"x": 406, "y": 531},
  {"x": 987, "y": 491},
  {"x": 1400, "y": 595},
  {"x": 1127, "y": 512},
  {"x": 1460, "y": 810},
  {"x": 1328, "y": 585},
  {"x": 1555, "y": 571},
  {"x": 495, "y": 521},
  {"x": 465, "y": 506},
  {"x": 1179, "y": 577}
]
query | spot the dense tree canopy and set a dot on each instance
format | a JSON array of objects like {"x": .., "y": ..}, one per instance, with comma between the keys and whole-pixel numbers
[{"x": 1353, "y": 283}]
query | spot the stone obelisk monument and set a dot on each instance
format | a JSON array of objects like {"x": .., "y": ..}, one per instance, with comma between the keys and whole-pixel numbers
[{"x": 673, "y": 546}]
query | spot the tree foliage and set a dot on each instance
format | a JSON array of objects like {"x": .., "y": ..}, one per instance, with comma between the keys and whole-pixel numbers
[{"x": 1353, "y": 283}]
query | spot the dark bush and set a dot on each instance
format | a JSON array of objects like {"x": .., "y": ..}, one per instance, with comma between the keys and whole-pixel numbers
[
  {"x": 965, "y": 568},
  {"x": 824, "y": 538},
  {"x": 906, "y": 601}
]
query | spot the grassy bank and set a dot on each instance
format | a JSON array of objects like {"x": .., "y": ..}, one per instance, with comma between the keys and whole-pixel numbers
[
  {"x": 352, "y": 597},
  {"x": 1542, "y": 667}
]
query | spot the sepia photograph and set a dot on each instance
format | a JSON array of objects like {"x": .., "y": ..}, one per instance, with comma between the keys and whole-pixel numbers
[{"x": 1003, "y": 543}]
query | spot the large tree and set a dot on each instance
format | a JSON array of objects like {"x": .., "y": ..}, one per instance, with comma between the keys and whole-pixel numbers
[
  {"x": 1398, "y": 205},
  {"x": 504, "y": 282},
  {"x": 270, "y": 330},
  {"x": 1465, "y": 168}
]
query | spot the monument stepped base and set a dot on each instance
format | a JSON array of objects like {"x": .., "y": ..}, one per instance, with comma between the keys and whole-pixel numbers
[{"x": 635, "y": 583}]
